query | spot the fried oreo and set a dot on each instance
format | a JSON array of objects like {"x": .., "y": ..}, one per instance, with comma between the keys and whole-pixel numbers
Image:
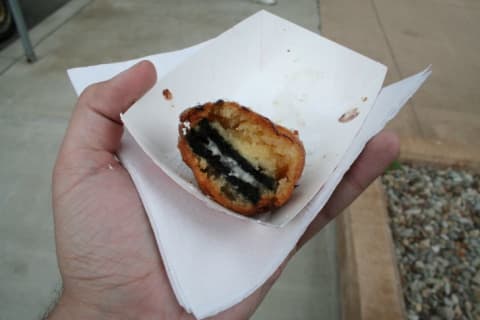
[{"x": 239, "y": 158}]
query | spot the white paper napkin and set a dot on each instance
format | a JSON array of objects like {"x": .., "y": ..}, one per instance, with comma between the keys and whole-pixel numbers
[{"x": 214, "y": 260}]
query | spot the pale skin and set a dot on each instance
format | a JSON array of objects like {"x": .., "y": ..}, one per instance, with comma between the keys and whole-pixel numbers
[{"x": 108, "y": 260}]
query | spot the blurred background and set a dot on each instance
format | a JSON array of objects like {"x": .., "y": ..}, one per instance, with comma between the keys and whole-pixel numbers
[
  {"x": 349, "y": 271},
  {"x": 32, "y": 11}
]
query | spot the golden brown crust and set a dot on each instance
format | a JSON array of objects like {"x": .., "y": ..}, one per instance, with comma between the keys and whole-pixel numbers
[{"x": 220, "y": 112}]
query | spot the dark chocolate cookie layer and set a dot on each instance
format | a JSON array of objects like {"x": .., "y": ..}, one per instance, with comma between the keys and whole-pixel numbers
[{"x": 204, "y": 134}]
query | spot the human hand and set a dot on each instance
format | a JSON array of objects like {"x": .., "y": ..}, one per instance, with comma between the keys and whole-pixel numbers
[{"x": 107, "y": 255}]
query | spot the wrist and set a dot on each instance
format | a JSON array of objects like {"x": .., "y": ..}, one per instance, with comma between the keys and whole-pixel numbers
[{"x": 70, "y": 309}]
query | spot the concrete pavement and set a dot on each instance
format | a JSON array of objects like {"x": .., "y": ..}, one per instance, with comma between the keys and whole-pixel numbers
[{"x": 409, "y": 35}]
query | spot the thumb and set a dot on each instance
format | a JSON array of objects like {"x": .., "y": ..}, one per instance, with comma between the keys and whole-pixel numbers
[{"x": 95, "y": 123}]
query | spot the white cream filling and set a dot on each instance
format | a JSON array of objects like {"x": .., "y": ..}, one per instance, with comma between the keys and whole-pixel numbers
[{"x": 232, "y": 164}]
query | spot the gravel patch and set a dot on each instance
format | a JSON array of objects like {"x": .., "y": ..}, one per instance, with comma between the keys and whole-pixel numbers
[{"x": 435, "y": 222}]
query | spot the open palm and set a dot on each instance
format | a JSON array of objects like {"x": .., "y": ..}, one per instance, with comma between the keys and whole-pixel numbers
[{"x": 109, "y": 263}]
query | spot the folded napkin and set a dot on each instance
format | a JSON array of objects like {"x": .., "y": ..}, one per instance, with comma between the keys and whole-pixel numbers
[{"x": 215, "y": 260}]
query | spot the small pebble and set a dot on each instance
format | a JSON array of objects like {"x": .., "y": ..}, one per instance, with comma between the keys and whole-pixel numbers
[
  {"x": 447, "y": 288},
  {"x": 476, "y": 279},
  {"x": 447, "y": 313}
]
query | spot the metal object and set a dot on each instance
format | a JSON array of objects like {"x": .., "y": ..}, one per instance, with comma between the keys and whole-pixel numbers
[
  {"x": 22, "y": 30},
  {"x": 3, "y": 14},
  {"x": 269, "y": 2}
]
